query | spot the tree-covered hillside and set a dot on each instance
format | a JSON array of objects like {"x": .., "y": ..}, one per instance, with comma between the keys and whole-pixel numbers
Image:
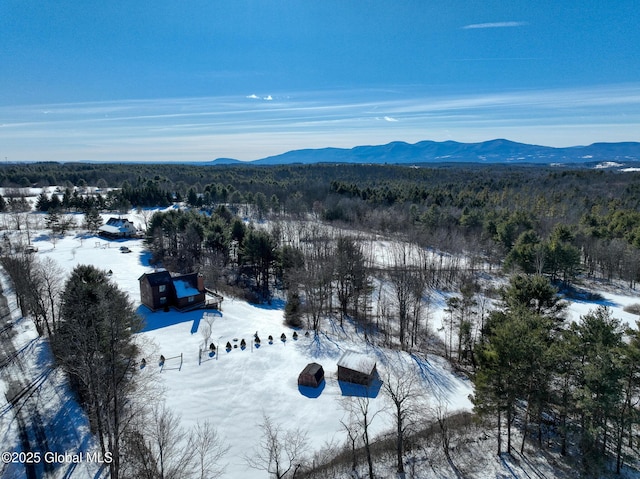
[{"x": 551, "y": 219}]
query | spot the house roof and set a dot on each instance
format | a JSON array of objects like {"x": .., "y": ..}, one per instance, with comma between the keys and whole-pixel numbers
[
  {"x": 184, "y": 288},
  {"x": 157, "y": 278},
  {"x": 116, "y": 226},
  {"x": 110, "y": 229},
  {"x": 357, "y": 362},
  {"x": 113, "y": 221}
]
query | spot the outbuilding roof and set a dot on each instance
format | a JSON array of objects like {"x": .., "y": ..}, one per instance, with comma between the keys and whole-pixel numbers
[
  {"x": 357, "y": 362},
  {"x": 312, "y": 369}
]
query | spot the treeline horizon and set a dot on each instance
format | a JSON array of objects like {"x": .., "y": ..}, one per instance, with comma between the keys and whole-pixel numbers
[{"x": 562, "y": 220}]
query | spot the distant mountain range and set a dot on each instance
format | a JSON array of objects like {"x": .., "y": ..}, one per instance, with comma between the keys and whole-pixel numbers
[{"x": 424, "y": 152}]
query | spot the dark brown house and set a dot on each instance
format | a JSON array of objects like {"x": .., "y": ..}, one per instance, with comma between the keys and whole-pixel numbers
[
  {"x": 312, "y": 375},
  {"x": 162, "y": 290},
  {"x": 356, "y": 368},
  {"x": 189, "y": 290}
]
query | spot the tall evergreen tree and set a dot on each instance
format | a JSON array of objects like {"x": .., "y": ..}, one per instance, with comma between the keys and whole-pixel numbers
[
  {"x": 258, "y": 252},
  {"x": 92, "y": 220},
  {"x": 515, "y": 354},
  {"x": 598, "y": 391},
  {"x": 94, "y": 344},
  {"x": 535, "y": 293},
  {"x": 511, "y": 365}
]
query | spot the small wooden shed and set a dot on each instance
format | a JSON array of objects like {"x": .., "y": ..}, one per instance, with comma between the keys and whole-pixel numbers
[
  {"x": 356, "y": 368},
  {"x": 312, "y": 375}
]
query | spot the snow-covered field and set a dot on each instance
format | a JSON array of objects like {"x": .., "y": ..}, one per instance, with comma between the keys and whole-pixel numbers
[
  {"x": 235, "y": 390},
  {"x": 616, "y": 302}
]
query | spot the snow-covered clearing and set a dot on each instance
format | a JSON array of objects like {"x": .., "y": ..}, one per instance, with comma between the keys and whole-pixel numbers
[
  {"x": 236, "y": 389},
  {"x": 616, "y": 302}
]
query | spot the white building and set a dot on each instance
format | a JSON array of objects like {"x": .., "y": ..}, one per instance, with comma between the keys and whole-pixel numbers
[{"x": 118, "y": 228}]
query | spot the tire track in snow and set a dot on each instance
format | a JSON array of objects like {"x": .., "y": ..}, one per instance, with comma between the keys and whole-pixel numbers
[{"x": 22, "y": 392}]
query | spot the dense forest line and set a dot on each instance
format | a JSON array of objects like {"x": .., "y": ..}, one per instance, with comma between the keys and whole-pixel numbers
[{"x": 547, "y": 219}]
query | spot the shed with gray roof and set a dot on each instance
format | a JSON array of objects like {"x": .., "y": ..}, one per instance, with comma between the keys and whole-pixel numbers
[{"x": 358, "y": 368}]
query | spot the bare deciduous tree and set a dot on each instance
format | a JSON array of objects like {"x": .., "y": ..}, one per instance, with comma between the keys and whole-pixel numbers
[
  {"x": 205, "y": 328},
  {"x": 441, "y": 414},
  {"x": 317, "y": 278},
  {"x": 159, "y": 448},
  {"x": 408, "y": 283},
  {"x": 401, "y": 385},
  {"x": 209, "y": 450},
  {"x": 165, "y": 441},
  {"x": 351, "y": 275},
  {"x": 48, "y": 289},
  {"x": 352, "y": 428},
  {"x": 38, "y": 288},
  {"x": 146, "y": 215},
  {"x": 361, "y": 415},
  {"x": 280, "y": 452},
  {"x": 20, "y": 268}
]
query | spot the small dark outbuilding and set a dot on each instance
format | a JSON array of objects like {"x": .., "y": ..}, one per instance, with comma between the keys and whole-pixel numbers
[
  {"x": 356, "y": 368},
  {"x": 312, "y": 375}
]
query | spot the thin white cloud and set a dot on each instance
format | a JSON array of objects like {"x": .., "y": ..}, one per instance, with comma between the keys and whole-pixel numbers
[
  {"x": 209, "y": 127},
  {"x": 256, "y": 97},
  {"x": 494, "y": 25}
]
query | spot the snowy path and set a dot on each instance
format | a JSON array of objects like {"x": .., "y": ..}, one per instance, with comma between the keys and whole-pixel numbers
[{"x": 38, "y": 415}]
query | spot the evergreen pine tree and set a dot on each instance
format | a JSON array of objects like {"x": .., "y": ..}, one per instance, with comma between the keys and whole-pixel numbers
[
  {"x": 293, "y": 310},
  {"x": 94, "y": 344}
]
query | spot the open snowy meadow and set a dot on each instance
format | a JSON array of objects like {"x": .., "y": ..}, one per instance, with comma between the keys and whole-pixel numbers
[{"x": 236, "y": 389}]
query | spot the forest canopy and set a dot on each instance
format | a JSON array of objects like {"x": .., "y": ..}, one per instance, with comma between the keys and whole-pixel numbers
[{"x": 552, "y": 220}]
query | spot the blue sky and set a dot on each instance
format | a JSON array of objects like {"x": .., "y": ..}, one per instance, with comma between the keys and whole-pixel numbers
[{"x": 196, "y": 80}]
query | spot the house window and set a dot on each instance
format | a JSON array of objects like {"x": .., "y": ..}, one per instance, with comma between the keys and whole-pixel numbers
[
  {"x": 163, "y": 300},
  {"x": 162, "y": 288}
]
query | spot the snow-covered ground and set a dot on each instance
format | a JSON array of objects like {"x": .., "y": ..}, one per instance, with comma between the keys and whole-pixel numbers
[
  {"x": 616, "y": 302},
  {"x": 37, "y": 403},
  {"x": 235, "y": 390}
]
